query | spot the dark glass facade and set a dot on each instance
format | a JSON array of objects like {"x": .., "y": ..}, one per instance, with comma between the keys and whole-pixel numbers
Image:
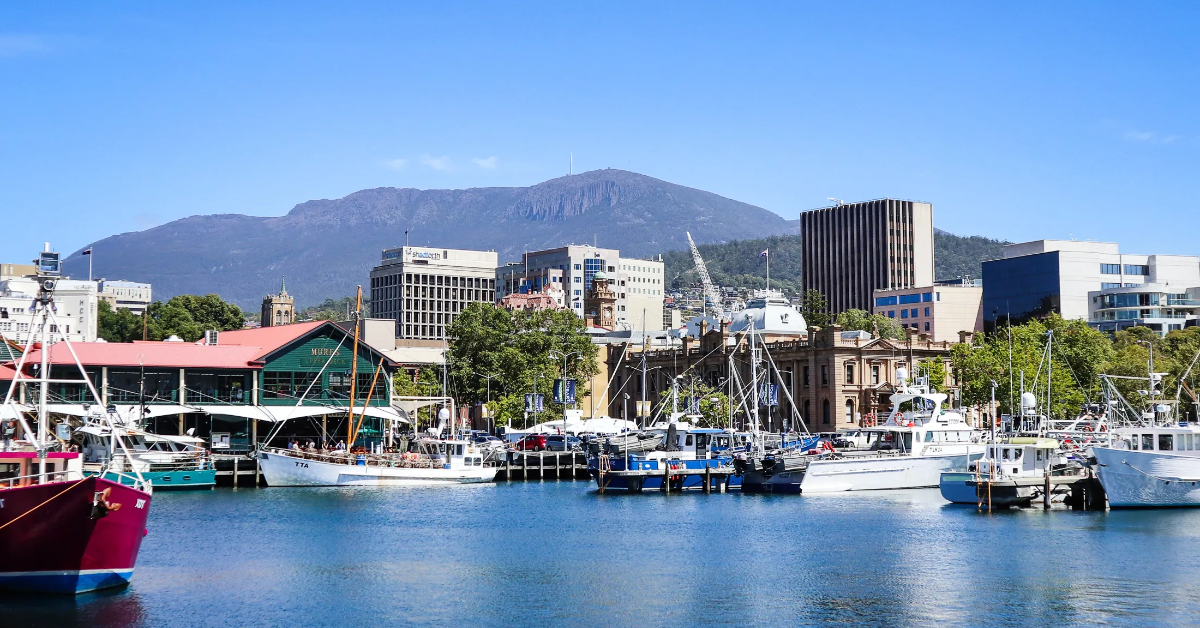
[{"x": 1024, "y": 287}]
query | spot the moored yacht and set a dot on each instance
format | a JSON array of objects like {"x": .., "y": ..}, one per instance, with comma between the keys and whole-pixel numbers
[
  {"x": 434, "y": 462},
  {"x": 920, "y": 441}
]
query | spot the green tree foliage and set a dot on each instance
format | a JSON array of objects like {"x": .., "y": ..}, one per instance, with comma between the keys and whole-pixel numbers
[
  {"x": 117, "y": 325},
  {"x": 853, "y": 319},
  {"x": 714, "y": 404},
  {"x": 815, "y": 308},
  {"x": 962, "y": 256},
  {"x": 331, "y": 310},
  {"x": 935, "y": 369},
  {"x": 486, "y": 339},
  {"x": 186, "y": 316},
  {"x": 1079, "y": 355},
  {"x": 1172, "y": 356}
]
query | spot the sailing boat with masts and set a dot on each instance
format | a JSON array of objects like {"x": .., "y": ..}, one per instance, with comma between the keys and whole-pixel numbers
[
  {"x": 435, "y": 460},
  {"x": 61, "y": 532}
]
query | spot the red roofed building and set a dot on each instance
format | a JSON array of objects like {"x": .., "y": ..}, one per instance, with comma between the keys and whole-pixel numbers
[{"x": 271, "y": 373}]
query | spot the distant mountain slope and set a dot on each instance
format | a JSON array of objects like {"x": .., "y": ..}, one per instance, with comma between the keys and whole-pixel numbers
[
  {"x": 738, "y": 263},
  {"x": 326, "y": 247}
]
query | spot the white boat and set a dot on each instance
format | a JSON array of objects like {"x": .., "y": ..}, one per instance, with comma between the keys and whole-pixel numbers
[
  {"x": 1011, "y": 473},
  {"x": 920, "y": 441},
  {"x": 1151, "y": 466},
  {"x": 439, "y": 462}
]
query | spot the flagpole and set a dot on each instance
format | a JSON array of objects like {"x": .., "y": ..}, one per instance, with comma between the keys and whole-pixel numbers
[
  {"x": 768, "y": 269},
  {"x": 89, "y": 265}
]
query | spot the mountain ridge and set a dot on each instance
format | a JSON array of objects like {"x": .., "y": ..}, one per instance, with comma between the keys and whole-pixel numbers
[{"x": 327, "y": 246}]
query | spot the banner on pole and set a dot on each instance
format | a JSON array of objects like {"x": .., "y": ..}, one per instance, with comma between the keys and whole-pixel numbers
[
  {"x": 564, "y": 394},
  {"x": 769, "y": 395},
  {"x": 533, "y": 403}
]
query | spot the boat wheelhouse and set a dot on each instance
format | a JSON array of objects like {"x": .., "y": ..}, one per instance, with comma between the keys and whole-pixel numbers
[{"x": 1151, "y": 466}]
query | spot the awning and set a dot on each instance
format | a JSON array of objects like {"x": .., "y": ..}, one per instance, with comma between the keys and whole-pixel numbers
[{"x": 383, "y": 412}]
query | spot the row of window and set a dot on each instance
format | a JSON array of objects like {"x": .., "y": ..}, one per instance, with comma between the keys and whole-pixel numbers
[
  {"x": 416, "y": 279},
  {"x": 1166, "y": 442},
  {"x": 905, "y": 299},
  {"x": 1130, "y": 269}
]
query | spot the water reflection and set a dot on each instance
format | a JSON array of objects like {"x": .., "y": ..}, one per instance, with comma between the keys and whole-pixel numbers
[{"x": 557, "y": 554}]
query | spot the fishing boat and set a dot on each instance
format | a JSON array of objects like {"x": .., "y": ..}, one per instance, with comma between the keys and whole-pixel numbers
[
  {"x": 1153, "y": 458},
  {"x": 1012, "y": 472},
  {"x": 431, "y": 461},
  {"x": 168, "y": 462},
  {"x": 60, "y": 531},
  {"x": 919, "y": 441},
  {"x": 681, "y": 459}
]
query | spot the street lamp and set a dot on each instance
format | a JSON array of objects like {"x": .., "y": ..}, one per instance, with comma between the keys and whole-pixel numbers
[
  {"x": 489, "y": 378},
  {"x": 564, "y": 356}
]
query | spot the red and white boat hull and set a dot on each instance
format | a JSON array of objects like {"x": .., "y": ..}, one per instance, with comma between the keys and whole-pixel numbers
[{"x": 70, "y": 537}]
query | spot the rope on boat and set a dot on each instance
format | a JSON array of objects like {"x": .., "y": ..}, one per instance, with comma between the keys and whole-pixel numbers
[
  {"x": 1167, "y": 480},
  {"x": 18, "y": 517}
]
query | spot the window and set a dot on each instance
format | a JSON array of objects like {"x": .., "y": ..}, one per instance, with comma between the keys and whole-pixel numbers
[
  {"x": 884, "y": 301},
  {"x": 1137, "y": 269},
  {"x": 914, "y": 312},
  {"x": 1147, "y": 441},
  {"x": 1105, "y": 285},
  {"x": 1110, "y": 269},
  {"x": 875, "y": 374},
  {"x": 891, "y": 313},
  {"x": 1165, "y": 442},
  {"x": 926, "y": 311},
  {"x": 926, "y": 325},
  {"x": 806, "y": 376},
  {"x": 578, "y": 279},
  {"x": 849, "y": 373},
  {"x": 849, "y": 410},
  {"x": 577, "y": 267},
  {"x": 825, "y": 412},
  {"x": 824, "y": 374},
  {"x": 903, "y": 313},
  {"x": 926, "y": 297},
  {"x": 910, "y": 298}
]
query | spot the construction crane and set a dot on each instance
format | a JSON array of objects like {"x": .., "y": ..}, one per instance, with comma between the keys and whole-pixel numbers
[{"x": 710, "y": 290}]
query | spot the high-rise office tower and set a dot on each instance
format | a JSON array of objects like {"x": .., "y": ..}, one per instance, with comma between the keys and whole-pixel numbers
[{"x": 852, "y": 249}]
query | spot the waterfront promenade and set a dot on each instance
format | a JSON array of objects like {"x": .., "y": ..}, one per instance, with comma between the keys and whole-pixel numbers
[{"x": 557, "y": 554}]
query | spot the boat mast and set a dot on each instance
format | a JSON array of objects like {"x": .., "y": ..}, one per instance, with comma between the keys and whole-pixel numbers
[
  {"x": 353, "y": 371},
  {"x": 754, "y": 383},
  {"x": 44, "y": 390}
]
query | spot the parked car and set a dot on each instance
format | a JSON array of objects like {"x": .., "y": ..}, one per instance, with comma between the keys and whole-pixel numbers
[
  {"x": 532, "y": 442},
  {"x": 488, "y": 443},
  {"x": 561, "y": 443}
]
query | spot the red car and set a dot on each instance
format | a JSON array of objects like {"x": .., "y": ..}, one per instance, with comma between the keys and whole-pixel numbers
[{"x": 532, "y": 442}]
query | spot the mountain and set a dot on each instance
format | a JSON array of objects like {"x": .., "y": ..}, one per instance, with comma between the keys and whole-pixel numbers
[
  {"x": 738, "y": 263},
  {"x": 326, "y": 247}
]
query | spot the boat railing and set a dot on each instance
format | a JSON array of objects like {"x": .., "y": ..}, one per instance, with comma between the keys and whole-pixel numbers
[
  {"x": 407, "y": 460},
  {"x": 33, "y": 478}
]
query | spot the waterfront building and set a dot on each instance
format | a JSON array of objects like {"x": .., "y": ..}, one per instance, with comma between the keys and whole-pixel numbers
[
  {"x": 278, "y": 309},
  {"x": 222, "y": 390},
  {"x": 125, "y": 295},
  {"x": 850, "y": 250},
  {"x": 837, "y": 378},
  {"x": 941, "y": 310},
  {"x": 1035, "y": 279},
  {"x": 76, "y": 313},
  {"x": 1161, "y": 308},
  {"x": 637, "y": 283},
  {"x": 422, "y": 288}
]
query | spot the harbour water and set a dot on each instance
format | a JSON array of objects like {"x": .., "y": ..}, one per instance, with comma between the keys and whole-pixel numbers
[{"x": 556, "y": 553}]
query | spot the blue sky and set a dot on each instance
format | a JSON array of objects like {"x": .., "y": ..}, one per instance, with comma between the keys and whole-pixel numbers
[{"x": 1017, "y": 121}]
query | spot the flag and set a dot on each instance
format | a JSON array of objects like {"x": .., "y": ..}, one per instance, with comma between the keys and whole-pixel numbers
[
  {"x": 87, "y": 251},
  {"x": 764, "y": 253}
]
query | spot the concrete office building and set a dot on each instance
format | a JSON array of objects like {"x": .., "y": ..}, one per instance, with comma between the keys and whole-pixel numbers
[
  {"x": 422, "y": 288},
  {"x": 1034, "y": 279},
  {"x": 638, "y": 283},
  {"x": 941, "y": 310},
  {"x": 1161, "y": 308},
  {"x": 125, "y": 295},
  {"x": 76, "y": 313},
  {"x": 853, "y": 249},
  {"x": 513, "y": 278}
]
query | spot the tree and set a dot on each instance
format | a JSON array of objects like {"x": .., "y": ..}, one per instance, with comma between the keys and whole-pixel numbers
[
  {"x": 714, "y": 404},
  {"x": 515, "y": 346},
  {"x": 1078, "y": 352},
  {"x": 186, "y": 316},
  {"x": 815, "y": 308},
  {"x": 853, "y": 319},
  {"x": 119, "y": 325}
]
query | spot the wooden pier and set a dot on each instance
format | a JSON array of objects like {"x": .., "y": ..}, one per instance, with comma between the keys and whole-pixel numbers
[
  {"x": 237, "y": 470},
  {"x": 522, "y": 466},
  {"x": 1083, "y": 491}
]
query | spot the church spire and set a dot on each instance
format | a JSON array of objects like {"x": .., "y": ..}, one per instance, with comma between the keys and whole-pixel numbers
[{"x": 283, "y": 287}]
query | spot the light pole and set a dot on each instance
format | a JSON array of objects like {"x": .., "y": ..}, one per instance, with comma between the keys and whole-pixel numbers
[
  {"x": 564, "y": 356},
  {"x": 491, "y": 421}
]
